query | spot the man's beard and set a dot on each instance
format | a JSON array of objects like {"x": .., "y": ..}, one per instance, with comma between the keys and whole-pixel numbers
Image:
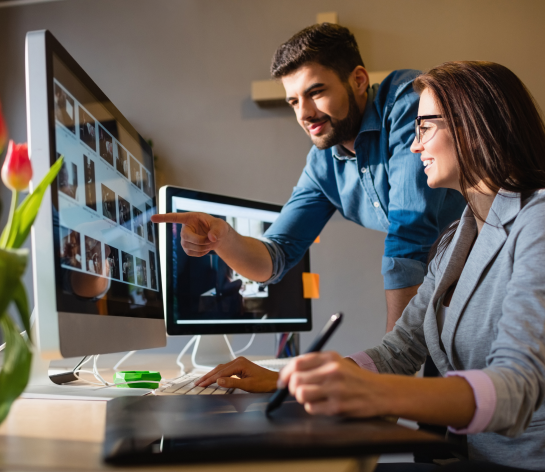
[{"x": 341, "y": 130}]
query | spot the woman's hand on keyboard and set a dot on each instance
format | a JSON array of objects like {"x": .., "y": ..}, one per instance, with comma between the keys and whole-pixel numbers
[{"x": 249, "y": 377}]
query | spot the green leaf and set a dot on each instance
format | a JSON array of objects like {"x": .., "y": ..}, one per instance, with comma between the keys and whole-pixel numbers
[
  {"x": 12, "y": 267},
  {"x": 16, "y": 368},
  {"x": 9, "y": 228},
  {"x": 21, "y": 301},
  {"x": 26, "y": 213}
]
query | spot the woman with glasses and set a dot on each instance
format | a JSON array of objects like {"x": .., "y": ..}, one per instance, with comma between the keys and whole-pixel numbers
[{"x": 480, "y": 313}]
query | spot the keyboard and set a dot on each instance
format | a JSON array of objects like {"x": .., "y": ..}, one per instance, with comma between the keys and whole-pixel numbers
[{"x": 184, "y": 386}]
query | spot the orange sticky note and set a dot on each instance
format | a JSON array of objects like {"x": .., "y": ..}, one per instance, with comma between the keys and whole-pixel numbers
[
  {"x": 311, "y": 285},
  {"x": 317, "y": 240}
]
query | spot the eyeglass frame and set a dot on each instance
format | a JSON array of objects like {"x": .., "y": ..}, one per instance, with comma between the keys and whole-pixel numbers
[{"x": 417, "y": 122}]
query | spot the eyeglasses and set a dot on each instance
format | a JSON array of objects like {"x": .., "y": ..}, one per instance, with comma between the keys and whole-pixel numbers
[{"x": 418, "y": 130}]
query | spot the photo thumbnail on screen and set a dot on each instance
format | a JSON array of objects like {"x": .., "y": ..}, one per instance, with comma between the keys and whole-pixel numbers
[
  {"x": 122, "y": 162},
  {"x": 87, "y": 129},
  {"x": 141, "y": 272},
  {"x": 112, "y": 261},
  {"x": 108, "y": 203},
  {"x": 90, "y": 182},
  {"x": 127, "y": 266},
  {"x": 124, "y": 213},
  {"x": 149, "y": 224},
  {"x": 70, "y": 248},
  {"x": 68, "y": 179},
  {"x": 138, "y": 222},
  {"x": 64, "y": 109},
  {"x": 105, "y": 146},
  {"x": 93, "y": 255},
  {"x": 147, "y": 183},
  {"x": 152, "y": 270},
  {"x": 136, "y": 177}
]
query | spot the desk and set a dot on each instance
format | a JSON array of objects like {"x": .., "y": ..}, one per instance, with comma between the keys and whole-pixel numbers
[
  {"x": 44, "y": 435},
  {"x": 62, "y": 435}
]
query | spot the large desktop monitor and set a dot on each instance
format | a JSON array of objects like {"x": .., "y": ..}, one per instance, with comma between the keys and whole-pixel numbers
[
  {"x": 203, "y": 296},
  {"x": 97, "y": 281}
]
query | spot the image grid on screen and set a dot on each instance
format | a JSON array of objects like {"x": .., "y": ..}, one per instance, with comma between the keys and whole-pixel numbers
[{"x": 104, "y": 223}]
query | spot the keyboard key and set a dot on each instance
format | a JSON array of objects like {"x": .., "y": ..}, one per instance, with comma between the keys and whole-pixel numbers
[
  {"x": 208, "y": 391},
  {"x": 195, "y": 391},
  {"x": 186, "y": 388},
  {"x": 221, "y": 391},
  {"x": 176, "y": 386}
]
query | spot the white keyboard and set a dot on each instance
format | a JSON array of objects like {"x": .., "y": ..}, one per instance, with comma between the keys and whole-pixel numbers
[
  {"x": 274, "y": 364},
  {"x": 184, "y": 386}
]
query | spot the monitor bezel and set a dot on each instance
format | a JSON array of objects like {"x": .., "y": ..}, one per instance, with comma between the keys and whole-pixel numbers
[
  {"x": 166, "y": 194},
  {"x": 63, "y": 333}
]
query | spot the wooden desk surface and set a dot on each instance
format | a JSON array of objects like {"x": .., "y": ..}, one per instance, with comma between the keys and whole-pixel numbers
[{"x": 67, "y": 435}]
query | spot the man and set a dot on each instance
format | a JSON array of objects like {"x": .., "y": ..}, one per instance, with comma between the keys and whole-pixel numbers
[{"x": 360, "y": 165}]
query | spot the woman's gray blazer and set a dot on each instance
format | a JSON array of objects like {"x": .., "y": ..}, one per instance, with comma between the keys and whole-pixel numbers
[{"x": 495, "y": 323}]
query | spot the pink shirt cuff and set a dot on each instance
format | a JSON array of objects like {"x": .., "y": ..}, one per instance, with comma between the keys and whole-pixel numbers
[
  {"x": 485, "y": 400},
  {"x": 364, "y": 361}
]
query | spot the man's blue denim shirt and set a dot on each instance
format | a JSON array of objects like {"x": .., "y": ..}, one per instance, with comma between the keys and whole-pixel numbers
[{"x": 383, "y": 188}]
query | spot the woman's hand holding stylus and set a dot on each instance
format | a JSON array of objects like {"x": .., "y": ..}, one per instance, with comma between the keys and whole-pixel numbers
[{"x": 328, "y": 384}]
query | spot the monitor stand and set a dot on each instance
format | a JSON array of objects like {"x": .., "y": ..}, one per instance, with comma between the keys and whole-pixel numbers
[
  {"x": 40, "y": 384},
  {"x": 211, "y": 350}
]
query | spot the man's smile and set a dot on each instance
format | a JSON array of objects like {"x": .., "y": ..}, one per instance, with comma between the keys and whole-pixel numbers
[{"x": 316, "y": 128}]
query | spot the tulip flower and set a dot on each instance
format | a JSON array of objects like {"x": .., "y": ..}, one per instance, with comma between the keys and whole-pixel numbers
[
  {"x": 3, "y": 131},
  {"x": 17, "y": 171}
]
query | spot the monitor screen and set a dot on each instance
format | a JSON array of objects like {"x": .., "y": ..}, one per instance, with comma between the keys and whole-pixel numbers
[
  {"x": 205, "y": 296},
  {"x": 106, "y": 246}
]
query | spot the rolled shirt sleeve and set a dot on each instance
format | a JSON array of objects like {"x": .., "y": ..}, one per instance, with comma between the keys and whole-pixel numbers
[
  {"x": 300, "y": 222},
  {"x": 485, "y": 400},
  {"x": 364, "y": 361}
]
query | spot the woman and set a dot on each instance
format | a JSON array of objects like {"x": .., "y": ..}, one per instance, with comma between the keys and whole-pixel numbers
[{"x": 480, "y": 313}]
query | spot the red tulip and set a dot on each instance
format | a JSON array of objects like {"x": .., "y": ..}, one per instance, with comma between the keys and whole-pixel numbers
[
  {"x": 17, "y": 170},
  {"x": 3, "y": 131}
]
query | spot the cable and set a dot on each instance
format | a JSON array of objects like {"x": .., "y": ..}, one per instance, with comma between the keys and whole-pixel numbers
[
  {"x": 183, "y": 351},
  {"x": 245, "y": 347},
  {"x": 235, "y": 353},
  {"x": 123, "y": 359},
  {"x": 103, "y": 383},
  {"x": 229, "y": 346}
]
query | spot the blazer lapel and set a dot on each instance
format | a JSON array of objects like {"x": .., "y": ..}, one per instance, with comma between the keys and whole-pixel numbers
[
  {"x": 449, "y": 270},
  {"x": 489, "y": 242}
]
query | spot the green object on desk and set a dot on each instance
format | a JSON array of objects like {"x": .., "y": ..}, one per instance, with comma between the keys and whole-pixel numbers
[{"x": 137, "y": 375}]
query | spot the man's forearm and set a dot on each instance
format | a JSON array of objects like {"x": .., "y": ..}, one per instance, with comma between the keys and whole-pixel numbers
[
  {"x": 396, "y": 301},
  {"x": 247, "y": 256}
]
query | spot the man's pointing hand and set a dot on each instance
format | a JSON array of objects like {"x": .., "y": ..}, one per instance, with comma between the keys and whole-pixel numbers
[{"x": 201, "y": 233}]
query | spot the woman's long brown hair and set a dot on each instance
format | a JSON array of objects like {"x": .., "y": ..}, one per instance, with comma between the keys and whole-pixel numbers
[{"x": 497, "y": 127}]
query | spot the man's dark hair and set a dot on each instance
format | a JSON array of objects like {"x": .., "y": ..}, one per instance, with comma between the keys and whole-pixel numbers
[{"x": 329, "y": 45}]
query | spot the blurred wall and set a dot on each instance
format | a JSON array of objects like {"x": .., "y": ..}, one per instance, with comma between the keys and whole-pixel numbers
[{"x": 181, "y": 70}]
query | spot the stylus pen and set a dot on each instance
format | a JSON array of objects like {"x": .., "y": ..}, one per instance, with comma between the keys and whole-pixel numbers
[{"x": 280, "y": 395}]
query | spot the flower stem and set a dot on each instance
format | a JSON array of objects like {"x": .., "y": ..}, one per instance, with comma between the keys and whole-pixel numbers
[{"x": 7, "y": 230}]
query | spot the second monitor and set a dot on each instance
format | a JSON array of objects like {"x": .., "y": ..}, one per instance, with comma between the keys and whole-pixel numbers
[{"x": 204, "y": 296}]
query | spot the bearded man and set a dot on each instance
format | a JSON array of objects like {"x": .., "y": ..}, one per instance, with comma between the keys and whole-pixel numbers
[{"x": 360, "y": 165}]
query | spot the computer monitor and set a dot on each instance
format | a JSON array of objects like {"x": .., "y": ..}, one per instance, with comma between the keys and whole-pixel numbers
[
  {"x": 97, "y": 283},
  {"x": 203, "y": 296}
]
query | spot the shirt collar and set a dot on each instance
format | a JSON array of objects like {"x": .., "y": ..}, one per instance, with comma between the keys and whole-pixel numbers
[{"x": 369, "y": 122}]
